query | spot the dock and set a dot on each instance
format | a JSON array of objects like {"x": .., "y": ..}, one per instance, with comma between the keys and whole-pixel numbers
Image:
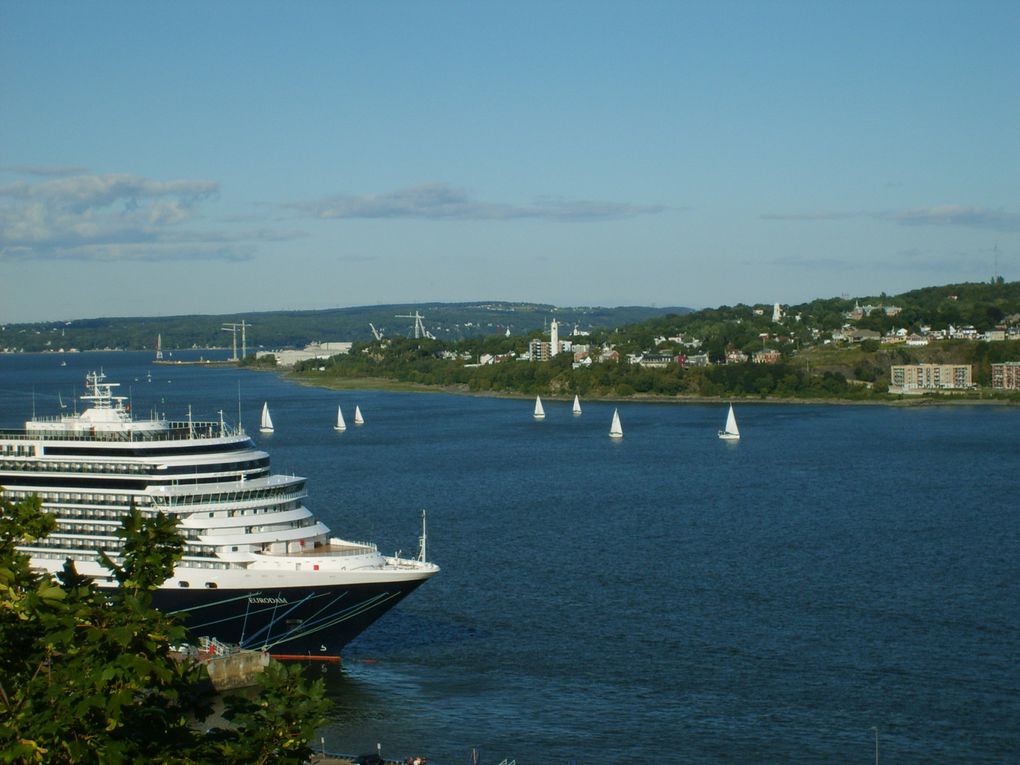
[{"x": 229, "y": 667}]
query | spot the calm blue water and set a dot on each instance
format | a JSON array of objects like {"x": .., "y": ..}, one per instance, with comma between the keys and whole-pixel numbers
[{"x": 671, "y": 597}]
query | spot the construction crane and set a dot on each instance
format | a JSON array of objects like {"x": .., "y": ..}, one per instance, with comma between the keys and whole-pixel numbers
[
  {"x": 232, "y": 328},
  {"x": 375, "y": 332},
  {"x": 419, "y": 325}
]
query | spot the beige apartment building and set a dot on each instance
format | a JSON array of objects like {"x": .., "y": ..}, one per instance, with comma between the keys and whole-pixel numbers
[
  {"x": 1006, "y": 375},
  {"x": 922, "y": 377}
]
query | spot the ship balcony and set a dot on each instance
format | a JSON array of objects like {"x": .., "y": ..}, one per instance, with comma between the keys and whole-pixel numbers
[
  {"x": 291, "y": 536},
  {"x": 333, "y": 548},
  {"x": 240, "y": 503},
  {"x": 233, "y": 523}
]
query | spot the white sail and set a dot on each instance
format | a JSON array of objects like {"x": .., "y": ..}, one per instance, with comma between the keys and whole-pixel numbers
[
  {"x": 358, "y": 419},
  {"x": 577, "y": 405},
  {"x": 539, "y": 411},
  {"x": 616, "y": 429},
  {"x": 340, "y": 424},
  {"x": 731, "y": 432},
  {"x": 266, "y": 426}
]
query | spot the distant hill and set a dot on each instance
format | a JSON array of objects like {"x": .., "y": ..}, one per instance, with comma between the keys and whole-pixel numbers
[{"x": 281, "y": 329}]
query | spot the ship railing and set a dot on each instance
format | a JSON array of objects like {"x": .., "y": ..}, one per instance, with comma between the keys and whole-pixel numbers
[
  {"x": 196, "y": 496},
  {"x": 174, "y": 431},
  {"x": 240, "y": 501}
]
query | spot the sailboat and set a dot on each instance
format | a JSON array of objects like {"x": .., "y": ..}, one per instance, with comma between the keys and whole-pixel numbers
[
  {"x": 577, "y": 405},
  {"x": 616, "y": 429},
  {"x": 731, "y": 432},
  {"x": 266, "y": 426},
  {"x": 340, "y": 424},
  {"x": 358, "y": 419},
  {"x": 539, "y": 411}
]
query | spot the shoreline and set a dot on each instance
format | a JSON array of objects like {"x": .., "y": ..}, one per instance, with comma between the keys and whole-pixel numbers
[{"x": 395, "y": 386}]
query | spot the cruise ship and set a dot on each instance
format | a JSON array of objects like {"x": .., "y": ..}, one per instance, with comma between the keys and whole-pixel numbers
[{"x": 258, "y": 569}]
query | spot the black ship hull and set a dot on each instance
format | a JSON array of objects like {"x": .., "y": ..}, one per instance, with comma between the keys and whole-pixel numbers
[{"x": 314, "y": 621}]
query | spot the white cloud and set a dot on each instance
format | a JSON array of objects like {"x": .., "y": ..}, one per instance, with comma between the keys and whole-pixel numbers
[
  {"x": 49, "y": 170},
  {"x": 942, "y": 215},
  {"x": 115, "y": 217},
  {"x": 437, "y": 201},
  {"x": 956, "y": 215}
]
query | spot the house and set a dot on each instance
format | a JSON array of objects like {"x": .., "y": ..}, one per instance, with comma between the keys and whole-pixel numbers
[
  {"x": 860, "y": 335},
  {"x": 697, "y": 360},
  {"x": 766, "y": 356},
  {"x": 656, "y": 360},
  {"x": 736, "y": 357}
]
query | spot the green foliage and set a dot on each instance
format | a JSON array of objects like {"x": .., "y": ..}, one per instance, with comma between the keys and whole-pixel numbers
[
  {"x": 276, "y": 724},
  {"x": 150, "y": 551},
  {"x": 87, "y": 675}
]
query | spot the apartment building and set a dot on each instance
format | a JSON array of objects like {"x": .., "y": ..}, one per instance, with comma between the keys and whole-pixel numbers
[
  {"x": 1006, "y": 376},
  {"x": 922, "y": 377}
]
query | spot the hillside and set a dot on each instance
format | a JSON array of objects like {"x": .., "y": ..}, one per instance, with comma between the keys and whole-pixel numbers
[
  {"x": 280, "y": 329},
  {"x": 825, "y": 349}
]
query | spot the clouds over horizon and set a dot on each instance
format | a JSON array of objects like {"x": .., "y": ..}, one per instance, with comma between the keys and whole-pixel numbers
[
  {"x": 47, "y": 170},
  {"x": 439, "y": 201},
  {"x": 114, "y": 217},
  {"x": 939, "y": 215}
]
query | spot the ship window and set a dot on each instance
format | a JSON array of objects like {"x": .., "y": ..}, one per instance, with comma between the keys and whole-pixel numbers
[
  {"x": 211, "y": 585},
  {"x": 182, "y": 583},
  {"x": 234, "y": 548}
]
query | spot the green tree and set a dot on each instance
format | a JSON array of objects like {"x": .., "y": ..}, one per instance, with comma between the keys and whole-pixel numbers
[{"x": 88, "y": 676}]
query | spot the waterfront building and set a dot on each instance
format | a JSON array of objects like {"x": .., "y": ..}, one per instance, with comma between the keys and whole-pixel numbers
[
  {"x": 1006, "y": 376},
  {"x": 290, "y": 357},
  {"x": 921, "y": 377}
]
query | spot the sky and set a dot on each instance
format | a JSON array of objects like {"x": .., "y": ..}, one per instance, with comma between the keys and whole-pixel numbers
[{"x": 164, "y": 158}]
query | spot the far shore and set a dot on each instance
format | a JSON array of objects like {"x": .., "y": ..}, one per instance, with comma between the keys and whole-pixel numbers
[{"x": 396, "y": 386}]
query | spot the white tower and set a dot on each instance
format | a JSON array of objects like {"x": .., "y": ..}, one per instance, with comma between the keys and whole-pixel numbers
[
  {"x": 554, "y": 338},
  {"x": 777, "y": 313}
]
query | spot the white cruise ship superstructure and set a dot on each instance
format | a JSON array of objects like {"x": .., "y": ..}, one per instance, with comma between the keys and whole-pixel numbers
[{"x": 258, "y": 568}]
